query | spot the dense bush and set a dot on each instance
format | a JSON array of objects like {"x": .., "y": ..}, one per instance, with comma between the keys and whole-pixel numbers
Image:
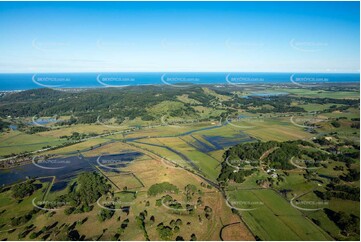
[
  {"x": 105, "y": 214},
  {"x": 349, "y": 224},
  {"x": 165, "y": 232},
  {"x": 23, "y": 189},
  {"x": 161, "y": 188},
  {"x": 3, "y": 125},
  {"x": 90, "y": 187}
]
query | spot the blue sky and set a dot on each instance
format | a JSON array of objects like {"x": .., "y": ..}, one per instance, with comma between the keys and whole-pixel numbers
[{"x": 179, "y": 36}]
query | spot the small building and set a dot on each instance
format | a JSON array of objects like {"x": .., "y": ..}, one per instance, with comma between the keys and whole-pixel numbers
[
  {"x": 270, "y": 170},
  {"x": 274, "y": 175}
]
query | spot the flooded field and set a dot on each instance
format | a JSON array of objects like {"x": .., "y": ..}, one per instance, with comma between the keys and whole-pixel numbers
[{"x": 64, "y": 169}]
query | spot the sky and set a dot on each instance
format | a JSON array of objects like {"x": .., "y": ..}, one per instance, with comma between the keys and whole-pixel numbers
[{"x": 43, "y": 37}]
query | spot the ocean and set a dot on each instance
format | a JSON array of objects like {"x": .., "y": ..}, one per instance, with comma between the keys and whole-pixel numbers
[{"x": 11, "y": 82}]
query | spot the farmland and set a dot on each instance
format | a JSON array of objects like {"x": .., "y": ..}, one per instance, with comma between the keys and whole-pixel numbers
[
  {"x": 184, "y": 143},
  {"x": 269, "y": 206}
]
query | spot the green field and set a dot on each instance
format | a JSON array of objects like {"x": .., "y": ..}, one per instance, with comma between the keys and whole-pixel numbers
[
  {"x": 275, "y": 219},
  {"x": 321, "y": 93},
  {"x": 17, "y": 142},
  {"x": 183, "y": 139}
]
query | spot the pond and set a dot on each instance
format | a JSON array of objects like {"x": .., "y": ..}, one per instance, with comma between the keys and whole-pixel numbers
[
  {"x": 265, "y": 94},
  {"x": 221, "y": 142},
  {"x": 44, "y": 121}
]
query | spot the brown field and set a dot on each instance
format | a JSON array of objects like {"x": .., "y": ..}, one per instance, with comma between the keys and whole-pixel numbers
[
  {"x": 112, "y": 148},
  {"x": 234, "y": 231},
  {"x": 79, "y": 146}
]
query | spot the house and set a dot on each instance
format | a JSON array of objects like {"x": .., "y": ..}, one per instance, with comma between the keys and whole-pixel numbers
[
  {"x": 270, "y": 170},
  {"x": 274, "y": 175}
]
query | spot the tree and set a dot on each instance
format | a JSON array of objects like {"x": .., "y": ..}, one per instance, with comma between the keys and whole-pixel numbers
[
  {"x": 91, "y": 187},
  {"x": 23, "y": 189},
  {"x": 161, "y": 188},
  {"x": 178, "y": 222},
  {"x": 165, "y": 232},
  {"x": 105, "y": 214},
  {"x": 69, "y": 210},
  {"x": 73, "y": 235},
  {"x": 33, "y": 235},
  {"x": 335, "y": 124},
  {"x": 152, "y": 219},
  {"x": 208, "y": 212}
]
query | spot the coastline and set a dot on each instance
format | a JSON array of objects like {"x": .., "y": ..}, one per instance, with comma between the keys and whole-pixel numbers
[{"x": 70, "y": 81}]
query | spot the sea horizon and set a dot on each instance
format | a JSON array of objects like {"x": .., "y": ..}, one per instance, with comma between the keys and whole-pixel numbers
[{"x": 27, "y": 81}]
